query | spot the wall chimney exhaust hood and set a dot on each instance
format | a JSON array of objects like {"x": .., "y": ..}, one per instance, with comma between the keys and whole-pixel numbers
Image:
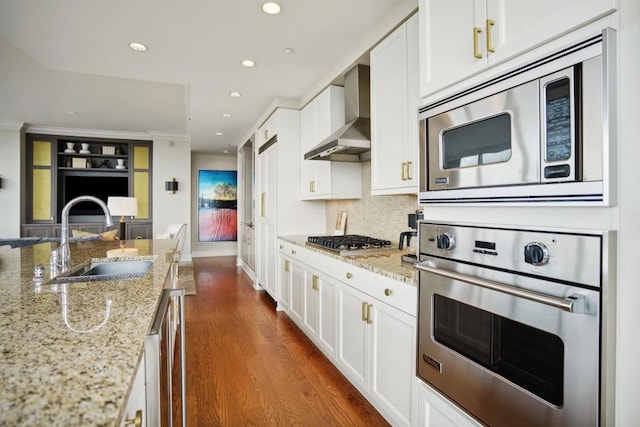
[{"x": 352, "y": 142}]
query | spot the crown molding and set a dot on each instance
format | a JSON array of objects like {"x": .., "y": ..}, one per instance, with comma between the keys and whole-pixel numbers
[
  {"x": 170, "y": 136},
  {"x": 93, "y": 133},
  {"x": 10, "y": 125}
]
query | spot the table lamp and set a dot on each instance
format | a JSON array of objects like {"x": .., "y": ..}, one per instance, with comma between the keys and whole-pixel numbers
[{"x": 123, "y": 206}]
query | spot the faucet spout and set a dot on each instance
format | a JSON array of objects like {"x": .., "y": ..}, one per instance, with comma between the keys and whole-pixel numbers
[{"x": 65, "y": 253}]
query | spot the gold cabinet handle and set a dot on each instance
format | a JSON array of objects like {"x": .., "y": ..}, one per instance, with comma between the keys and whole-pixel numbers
[
  {"x": 314, "y": 282},
  {"x": 136, "y": 421},
  {"x": 349, "y": 275},
  {"x": 293, "y": 251},
  {"x": 476, "y": 33},
  {"x": 387, "y": 292},
  {"x": 266, "y": 134},
  {"x": 364, "y": 311},
  {"x": 409, "y": 171},
  {"x": 281, "y": 246},
  {"x": 490, "y": 23},
  {"x": 286, "y": 265},
  {"x": 263, "y": 197},
  {"x": 404, "y": 171},
  {"x": 369, "y": 321}
]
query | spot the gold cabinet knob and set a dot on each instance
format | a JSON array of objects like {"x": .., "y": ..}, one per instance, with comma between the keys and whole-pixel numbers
[
  {"x": 349, "y": 275},
  {"x": 387, "y": 292},
  {"x": 136, "y": 421},
  {"x": 293, "y": 252}
]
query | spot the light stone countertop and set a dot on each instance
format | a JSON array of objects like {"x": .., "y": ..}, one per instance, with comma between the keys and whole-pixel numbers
[
  {"x": 53, "y": 376},
  {"x": 387, "y": 263}
]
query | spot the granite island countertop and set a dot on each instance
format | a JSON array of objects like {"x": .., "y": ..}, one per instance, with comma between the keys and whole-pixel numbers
[
  {"x": 387, "y": 263},
  {"x": 50, "y": 373}
]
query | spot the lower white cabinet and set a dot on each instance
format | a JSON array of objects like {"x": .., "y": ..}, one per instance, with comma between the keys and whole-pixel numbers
[
  {"x": 376, "y": 348},
  {"x": 137, "y": 402},
  {"x": 436, "y": 411},
  {"x": 284, "y": 279},
  {"x": 370, "y": 341},
  {"x": 320, "y": 310}
]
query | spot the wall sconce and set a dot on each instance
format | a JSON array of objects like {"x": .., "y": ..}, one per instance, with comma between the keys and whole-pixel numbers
[{"x": 171, "y": 186}]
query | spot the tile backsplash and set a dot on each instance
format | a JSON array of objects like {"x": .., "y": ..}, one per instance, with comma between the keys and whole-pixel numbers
[{"x": 384, "y": 217}]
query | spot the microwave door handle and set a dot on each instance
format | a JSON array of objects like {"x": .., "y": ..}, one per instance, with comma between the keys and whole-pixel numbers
[{"x": 573, "y": 304}]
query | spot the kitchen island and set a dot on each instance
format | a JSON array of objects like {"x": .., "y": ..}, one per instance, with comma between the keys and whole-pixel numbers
[{"x": 53, "y": 371}]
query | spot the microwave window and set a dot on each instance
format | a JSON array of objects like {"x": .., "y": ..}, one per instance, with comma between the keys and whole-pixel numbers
[
  {"x": 479, "y": 143},
  {"x": 558, "y": 120},
  {"x": 526, "y": 356}
]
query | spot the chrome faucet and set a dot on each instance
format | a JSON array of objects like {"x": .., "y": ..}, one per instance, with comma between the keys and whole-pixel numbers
[{"x": 65, "y": 253}]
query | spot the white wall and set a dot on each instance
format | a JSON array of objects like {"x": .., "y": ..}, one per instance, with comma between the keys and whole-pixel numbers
[
  {"x": 211, "y": 162},
  {"x": 172, "y": 159},
  {"x": 628, "y": 345},
  {"x": 10, "y": 164}
]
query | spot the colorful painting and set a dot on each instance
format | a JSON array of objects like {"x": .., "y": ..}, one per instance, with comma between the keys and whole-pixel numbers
[{"x": 217, "y": 206}]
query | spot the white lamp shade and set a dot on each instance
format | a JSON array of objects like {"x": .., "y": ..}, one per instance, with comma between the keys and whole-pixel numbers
[{"x": 123, "y": 206}]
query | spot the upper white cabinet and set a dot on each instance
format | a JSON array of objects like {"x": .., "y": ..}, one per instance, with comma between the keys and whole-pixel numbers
[
  {"x": 323, "y": 180},
  {"x": 394, "y": 112},
  {"x": 460, "y": 38}
]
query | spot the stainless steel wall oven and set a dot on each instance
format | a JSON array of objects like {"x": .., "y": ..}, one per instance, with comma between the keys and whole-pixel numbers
[{"x": 510, "y": 321}]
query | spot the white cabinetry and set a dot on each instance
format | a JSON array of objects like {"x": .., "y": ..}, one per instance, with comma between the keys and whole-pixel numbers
[
  {"x": 394, "y": 112},
  {"x": 136, "y": 402},
  {"x": 436, "y": 411},
  {"x": 279, "y": 209},
  {"x": 312, "y": 300},
  {"x": 461, "y": 38},
  {"x": 323, "y": 180},
  {"x": 363, "y": 322},
  {"x": 266, "y": 219},
  {"x": 376, "y": 348}
]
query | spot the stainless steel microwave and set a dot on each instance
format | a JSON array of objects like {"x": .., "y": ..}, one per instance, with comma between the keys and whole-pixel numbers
[{"x": 539, "y": 134}]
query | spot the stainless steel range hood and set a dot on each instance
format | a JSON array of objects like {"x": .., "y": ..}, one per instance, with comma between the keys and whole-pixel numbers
[{"x": 352, "y": 142}]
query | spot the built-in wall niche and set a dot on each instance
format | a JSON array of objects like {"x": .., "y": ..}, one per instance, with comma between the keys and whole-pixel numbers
[{"x": 60, "y": 168}]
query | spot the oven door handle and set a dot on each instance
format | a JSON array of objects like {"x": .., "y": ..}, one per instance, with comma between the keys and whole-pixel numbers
[{"x": 574, "y": 303}]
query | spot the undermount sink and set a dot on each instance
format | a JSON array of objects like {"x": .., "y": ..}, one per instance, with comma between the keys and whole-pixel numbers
[{"x": 105, "y": 270}]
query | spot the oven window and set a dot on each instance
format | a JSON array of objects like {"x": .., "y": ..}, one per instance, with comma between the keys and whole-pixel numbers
[
  {"x": 526, "y": 356},
  {"x": 479, "y": 143}
]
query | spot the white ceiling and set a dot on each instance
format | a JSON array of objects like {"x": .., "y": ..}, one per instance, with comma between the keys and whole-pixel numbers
[{"x": 61, "y": 56}]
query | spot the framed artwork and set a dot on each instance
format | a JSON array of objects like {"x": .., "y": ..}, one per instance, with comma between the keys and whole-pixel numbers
[{"x": 217, "y": 205}]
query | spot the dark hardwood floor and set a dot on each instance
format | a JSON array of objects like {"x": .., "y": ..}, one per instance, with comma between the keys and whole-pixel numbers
[{"x": 250, "y": 365}]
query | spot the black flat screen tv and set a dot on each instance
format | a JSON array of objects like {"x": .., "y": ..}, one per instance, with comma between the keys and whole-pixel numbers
[{"x": 98, "y": 186}]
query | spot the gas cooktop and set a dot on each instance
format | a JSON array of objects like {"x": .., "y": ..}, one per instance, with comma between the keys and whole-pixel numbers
[{"x": 350, "y": 244}]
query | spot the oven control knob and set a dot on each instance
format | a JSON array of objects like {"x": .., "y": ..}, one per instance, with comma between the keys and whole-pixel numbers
[
  {"x": 445, "y": 241},
  {"x": 536, "y": 253}
]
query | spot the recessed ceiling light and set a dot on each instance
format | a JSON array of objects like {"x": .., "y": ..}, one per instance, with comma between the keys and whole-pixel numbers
[
  {"x": 234, "y": 94},
  {"x": 225, "y": 151},
  {"x": 248, "y": 63},
  {"x": 271, "y": 8},
  {"x": 288, "y": 50},
  {"x": 226, "y": 115},
  {"x": 73, "y": 113},
  {"x": 219, "y": 133},
  {"x": 138, "y": 47}
]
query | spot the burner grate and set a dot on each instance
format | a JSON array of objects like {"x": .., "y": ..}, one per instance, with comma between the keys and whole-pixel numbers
[{"x": 349, "y": 242}]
